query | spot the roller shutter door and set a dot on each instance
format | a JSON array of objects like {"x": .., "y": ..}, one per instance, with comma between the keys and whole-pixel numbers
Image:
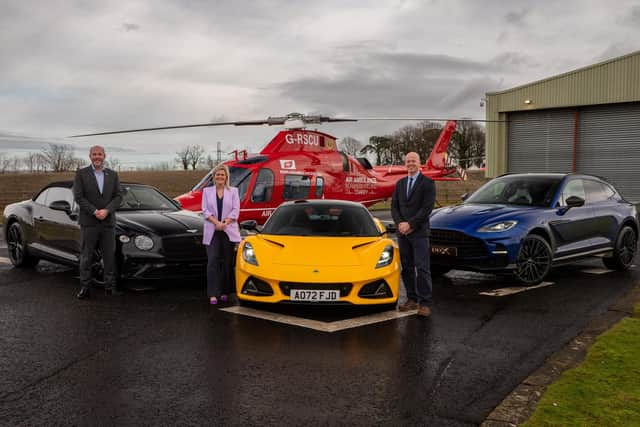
[
  {"x": 541, "y": 141},
  {"x": 609, "y": 145}
]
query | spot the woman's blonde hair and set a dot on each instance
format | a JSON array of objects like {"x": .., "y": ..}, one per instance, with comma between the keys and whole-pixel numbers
[{"x": 217, "y": 168}]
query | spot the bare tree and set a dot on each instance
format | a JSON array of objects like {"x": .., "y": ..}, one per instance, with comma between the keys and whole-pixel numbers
[
  {"x": 41, "y": 163},
  {"x": 196, "y": 155},
  {"x": 350, "y": 145},
  {"x": 59, "y": 157},
  {"x": 469, "y": 143},
  {"x": 114, "y": 163},
  {"x": 4, "y": 163},
  {"x": 183, "y": 156},
  {"x": 30, "y": 161}
]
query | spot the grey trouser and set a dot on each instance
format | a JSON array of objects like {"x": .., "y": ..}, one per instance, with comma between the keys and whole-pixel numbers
[{"x": 97, "y": 237}]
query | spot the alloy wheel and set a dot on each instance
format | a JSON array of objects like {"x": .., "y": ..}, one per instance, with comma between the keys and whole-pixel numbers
[{"x": 534, "y": 260}]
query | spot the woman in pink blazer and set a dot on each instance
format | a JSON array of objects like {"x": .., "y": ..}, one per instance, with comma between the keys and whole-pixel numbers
[{"x": 220, "y": 208}]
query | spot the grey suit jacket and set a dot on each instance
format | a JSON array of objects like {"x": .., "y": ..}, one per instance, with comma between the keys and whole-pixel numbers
[
  {"x": 416, "y": 208},
  {"x": 88, "y": 197}
]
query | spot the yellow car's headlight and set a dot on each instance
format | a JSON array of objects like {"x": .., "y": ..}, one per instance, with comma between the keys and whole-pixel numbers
[
  {"x": 248, "y": 254},
  {"x": 385, "y": 257}
]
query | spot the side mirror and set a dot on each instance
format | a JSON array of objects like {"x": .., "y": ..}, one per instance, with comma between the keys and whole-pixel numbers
[
  {"x": 61, "y": 205},
  {"x": 574, "y": 201},
  {"x": 390, "y": 228},
  {"x": 249, "y": 224},
  {"x": 465, "y": 196}
]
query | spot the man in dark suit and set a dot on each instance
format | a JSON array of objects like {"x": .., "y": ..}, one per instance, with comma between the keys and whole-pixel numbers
[
  {"x": 97, "y": 192},
  {"x": 412, "y": 202}
]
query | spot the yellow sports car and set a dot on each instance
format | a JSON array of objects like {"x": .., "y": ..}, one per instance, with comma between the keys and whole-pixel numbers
[{"x": 319, "y": 252}]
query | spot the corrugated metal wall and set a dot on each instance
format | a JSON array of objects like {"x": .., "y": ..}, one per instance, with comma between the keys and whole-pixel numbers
[
  {"x": 609, "y": 145},
  {"x": 541, "y": 141}
]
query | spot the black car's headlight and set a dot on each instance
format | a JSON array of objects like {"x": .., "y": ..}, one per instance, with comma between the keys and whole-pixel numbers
[
  {"x": 248, "y": 254},
  {"x": 498, "y": 226},
  {"x": 385, "y": 257},
  {"x": 144, "y": 243}
]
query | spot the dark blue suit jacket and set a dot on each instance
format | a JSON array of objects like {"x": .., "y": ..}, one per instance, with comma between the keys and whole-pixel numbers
[{"x": 416, "y": 208}]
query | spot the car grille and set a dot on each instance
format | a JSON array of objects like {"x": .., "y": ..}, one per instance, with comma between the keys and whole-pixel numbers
[
  {"x": 467, "y": 246},
  {"x": 184, "y": 247},
  {"x": 344, "y": 288}
]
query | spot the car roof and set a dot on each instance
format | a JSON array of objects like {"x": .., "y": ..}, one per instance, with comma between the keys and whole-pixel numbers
[
  {"x": 552, "y": 175},
  {"x": 324, "y": 202}
]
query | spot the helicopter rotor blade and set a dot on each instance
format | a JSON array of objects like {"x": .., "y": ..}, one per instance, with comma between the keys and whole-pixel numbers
[{"x": 431, "y": 119}]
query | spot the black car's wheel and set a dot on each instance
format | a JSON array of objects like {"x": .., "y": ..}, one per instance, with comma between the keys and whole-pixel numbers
[
  {"x": 17, "y": 248},
  {"x": 624, "y": 251},
  {"x": 97, "y": 270},
  {"x": 534, "y": 260}
]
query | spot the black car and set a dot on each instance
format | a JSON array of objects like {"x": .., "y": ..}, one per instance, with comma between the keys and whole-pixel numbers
[{"x": 155, "y": 238}]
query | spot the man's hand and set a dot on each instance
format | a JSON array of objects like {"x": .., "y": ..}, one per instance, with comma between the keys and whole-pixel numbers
[
  {"x": 404, "y": 228},
  {"x": 101, "y": 214}
]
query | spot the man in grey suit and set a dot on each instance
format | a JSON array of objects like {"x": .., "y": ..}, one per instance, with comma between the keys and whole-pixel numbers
[
  {"x": 411, "y": 205},
  {"x": 97, "y": 192}
]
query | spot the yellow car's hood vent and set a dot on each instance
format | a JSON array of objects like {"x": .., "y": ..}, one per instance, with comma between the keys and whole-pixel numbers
[{"x": 319, "y": 251}]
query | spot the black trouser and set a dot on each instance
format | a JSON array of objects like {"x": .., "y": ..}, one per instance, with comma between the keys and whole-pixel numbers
[
  {"x": 97, "y": 237},
  {"x": 220, "y": 277}
]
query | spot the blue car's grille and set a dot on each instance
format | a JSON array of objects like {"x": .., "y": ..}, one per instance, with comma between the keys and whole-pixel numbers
[{"x": 467, "y": 246}]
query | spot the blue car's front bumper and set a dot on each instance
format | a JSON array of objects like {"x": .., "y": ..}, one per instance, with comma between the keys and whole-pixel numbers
[{"x": 493, "y": 253}]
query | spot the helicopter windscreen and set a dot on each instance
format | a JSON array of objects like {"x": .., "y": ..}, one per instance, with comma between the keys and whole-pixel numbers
[{"x": 239, "y": 177}]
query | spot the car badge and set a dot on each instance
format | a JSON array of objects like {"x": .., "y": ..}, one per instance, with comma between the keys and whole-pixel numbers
[{"x": 192, "y": 230}]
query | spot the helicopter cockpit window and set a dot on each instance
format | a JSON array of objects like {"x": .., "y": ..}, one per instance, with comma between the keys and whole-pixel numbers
[
  {"x": 264, "y": 186},
  {"x": 296, "y": 187},
  {"x": 206, "y": 181}
]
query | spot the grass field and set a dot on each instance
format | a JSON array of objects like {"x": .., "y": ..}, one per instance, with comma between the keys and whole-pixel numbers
[
  {"x": 21, "y": 186},
  {"x": 604, "y": 390}
]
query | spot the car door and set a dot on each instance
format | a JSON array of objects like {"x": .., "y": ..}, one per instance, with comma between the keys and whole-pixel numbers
[
  {"x": 573, "y": 227},
  {"x": 59, "y": 230},
  {"x": 606, "y": 218}
]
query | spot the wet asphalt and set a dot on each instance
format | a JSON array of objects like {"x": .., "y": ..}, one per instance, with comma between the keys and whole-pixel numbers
[{"x": 165, "y": 357}]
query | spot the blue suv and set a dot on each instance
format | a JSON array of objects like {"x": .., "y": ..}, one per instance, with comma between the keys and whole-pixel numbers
[{"x": 526, "y": 223}]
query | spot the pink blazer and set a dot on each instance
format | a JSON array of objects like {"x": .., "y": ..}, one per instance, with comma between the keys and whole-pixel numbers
[{"x": 230, "y": 209}]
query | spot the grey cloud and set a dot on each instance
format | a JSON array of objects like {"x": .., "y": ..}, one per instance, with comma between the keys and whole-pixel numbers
[
  {"x": 632, "y": 18},
  {"x": 516, "y": 18},
  {"x": 130, "y": 27}
]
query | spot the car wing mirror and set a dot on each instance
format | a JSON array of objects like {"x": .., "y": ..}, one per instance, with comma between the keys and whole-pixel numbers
[
  {"x": 574, "y": 201},
  {"x": 390, "y": 228},
  {"x": 249, "y": 224},
  {"x": 61, "y": 205}
]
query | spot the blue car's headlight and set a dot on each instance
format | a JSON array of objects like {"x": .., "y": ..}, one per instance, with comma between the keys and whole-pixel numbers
[
  {"x": 498, "y": 226},
  {"x": 248, "y": 254},
  {"x": 385, "y": 257}
]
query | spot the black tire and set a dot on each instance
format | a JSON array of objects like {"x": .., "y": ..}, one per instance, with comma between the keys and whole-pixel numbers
[
  {"x": 18, "y": 253},
  {"x": 97, "y": 271},
  {"x": 624, "y": 251},
  {"x": 534, "y": 260}
]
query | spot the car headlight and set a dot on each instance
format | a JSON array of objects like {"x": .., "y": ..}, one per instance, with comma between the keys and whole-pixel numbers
[
  {"x": 124, "y": 238},
  {"x": 144, "y": 243},
  {"x": 248, "y": 254},
  {"x": 498, "y": 226},
  {"x": 385, "y": 257}
]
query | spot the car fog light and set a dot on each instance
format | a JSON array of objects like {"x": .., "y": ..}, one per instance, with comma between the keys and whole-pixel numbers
[
  {"x": 144, "y": 243},
  {"x": 124, "y": 238}
]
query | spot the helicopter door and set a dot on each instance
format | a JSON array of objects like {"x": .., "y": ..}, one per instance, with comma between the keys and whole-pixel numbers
[
  {"x": 263, "y": 188},
  {"x": 319, "y": 190},
  {"x": 296, "y": 187}
]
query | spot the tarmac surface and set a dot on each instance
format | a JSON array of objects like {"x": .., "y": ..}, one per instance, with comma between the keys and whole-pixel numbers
[{"x": 165, "y": 357}]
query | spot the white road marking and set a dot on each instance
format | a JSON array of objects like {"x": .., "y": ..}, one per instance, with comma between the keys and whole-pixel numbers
[
  {"x": 4, "y": 260},
  {"x": 596, "y": 271},
  {"x": 514, "y": 290},
  {"x": 316, "y": 324}
]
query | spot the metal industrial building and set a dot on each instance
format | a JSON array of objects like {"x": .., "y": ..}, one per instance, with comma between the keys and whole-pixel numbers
[{"x": 585, "y": 121}]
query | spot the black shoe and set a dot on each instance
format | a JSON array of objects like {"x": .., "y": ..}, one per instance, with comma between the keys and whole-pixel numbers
[
  {"x": 113, "y": 292},
  {"x": 84, "y": 293}
]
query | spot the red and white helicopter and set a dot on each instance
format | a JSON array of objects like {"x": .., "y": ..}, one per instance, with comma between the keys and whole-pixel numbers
[{"x": 306, "y": 164}]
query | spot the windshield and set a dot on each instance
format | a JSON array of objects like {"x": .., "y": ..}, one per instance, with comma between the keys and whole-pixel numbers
[
  {"x": 517, "y": 190},
  {"x": 239, "y": 177},
  {"x": 308, "y": 219},
  {"x": 139, "y": 198}
]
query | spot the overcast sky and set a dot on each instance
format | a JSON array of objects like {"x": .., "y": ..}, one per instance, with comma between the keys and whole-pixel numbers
[{"x": 77, "y": 67}]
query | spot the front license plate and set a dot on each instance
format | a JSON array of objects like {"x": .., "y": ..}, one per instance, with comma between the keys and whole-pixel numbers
[
  {"x": 313, "y": 296},
  {"x": 444, "y": 250}
]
